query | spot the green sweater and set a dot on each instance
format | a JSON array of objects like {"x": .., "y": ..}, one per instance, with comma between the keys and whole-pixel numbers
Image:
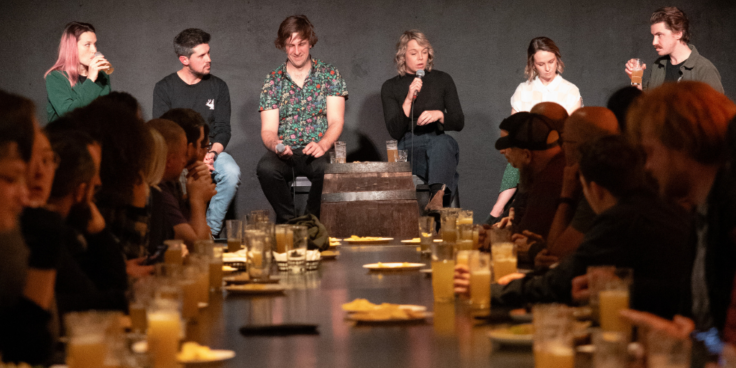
[{"x": 62, "y": 97}]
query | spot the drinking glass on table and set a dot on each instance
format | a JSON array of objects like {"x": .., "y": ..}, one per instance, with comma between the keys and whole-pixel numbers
[
  {"x": 403, "y": 156},
  {"x": 332, "y": 156},
  {"x": 284, "y": 238},
  {"x": 234, "y": 235},
  {"x": 215, "y": 259},
  {"x": 296, "y": 256},
  {"x": 449, "y": 226},
  {"x": 637, "y": 73},
  {"x": 202, "y": 264},
  {"x": 665, "y": 351},
  {"x": 392, "y": 148},
  {"x": 87, "y": 347},
  {"x": 426, "y": 234},
  {"x": 340, "y": 152},
  {"x": 597, "y": 277},
  {"x": 611, "y": 349},
  {"x": 142, "y": 293},
  {"x": 164, "y": 332},
  {"x": 465, "y": 217},
  {"x": 443, "y": 271},
  {"x": 480, "y": 279},
  {"x": 504, "y": 259},
  {"x": 553, "y": 336},
  {"x": 465, "y": 236},
  {"x": 613, "y": 298},
  {"x": 173, "y": 253},
  {"x": 190, "y": 292},
  {"x": 259, "y": 255}
]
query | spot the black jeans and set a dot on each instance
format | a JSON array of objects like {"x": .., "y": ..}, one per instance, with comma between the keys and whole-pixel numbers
[
  {"x": 275, "y": 175},
  {"x": 435, "y": 158}
]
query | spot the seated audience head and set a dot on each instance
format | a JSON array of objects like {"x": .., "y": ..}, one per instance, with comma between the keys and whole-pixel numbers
[
  {"x": 610, "y": 168},
  {"x": 124, "y": 100},
  {"x": 554, "y": 112},
  {"x": 413, "y": 52},
  {"x": 126, "y": 147},
  {"x": 682, "y": 129},
  {"x": 196, "y": 129},
  {"x": 620, "y": 102},
  {"x": 528, "y": 141},
  {"x": 78, "y": 173},
  {"x": 585, "y": 124},
  {"x": 76, "y": 50},
  {"x": 192, "y": 47},
  {"x": 17, "y": 133},
  {"x": 544, "y": 60},
  {"x": 41, "y": 169},
  {"x": 156, "y": 168},
  {"x": 176, "y": 147}
]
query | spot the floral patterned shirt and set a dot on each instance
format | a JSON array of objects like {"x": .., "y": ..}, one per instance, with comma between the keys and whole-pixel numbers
[{"x": 302, "y": 111}]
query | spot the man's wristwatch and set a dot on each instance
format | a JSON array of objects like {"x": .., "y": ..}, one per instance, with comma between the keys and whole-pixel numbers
[{"x": 216, "y": 154}]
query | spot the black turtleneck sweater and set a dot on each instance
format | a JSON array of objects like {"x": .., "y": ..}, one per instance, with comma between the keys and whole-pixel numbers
[{"x": 438, "y": 93}]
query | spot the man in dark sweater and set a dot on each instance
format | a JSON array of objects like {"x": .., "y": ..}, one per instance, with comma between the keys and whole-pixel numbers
[
  {"x": 193, "y": 87},
  {"x": 633, "y": 229}
]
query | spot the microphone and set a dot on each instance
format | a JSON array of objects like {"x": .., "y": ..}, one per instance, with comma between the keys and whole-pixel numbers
[
  {"x": 280, "y": 148},
  {"x": 420, "y": 74}
]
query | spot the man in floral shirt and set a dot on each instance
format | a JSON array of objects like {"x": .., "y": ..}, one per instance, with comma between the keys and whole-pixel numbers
[{"x": 302, "y": 108}]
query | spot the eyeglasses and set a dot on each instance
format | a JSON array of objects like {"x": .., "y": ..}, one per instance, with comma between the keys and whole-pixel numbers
[{"x": 208, "y": 146}]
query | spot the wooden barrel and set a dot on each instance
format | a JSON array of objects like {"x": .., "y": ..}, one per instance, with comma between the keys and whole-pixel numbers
[{"x": 370, "y": 199}]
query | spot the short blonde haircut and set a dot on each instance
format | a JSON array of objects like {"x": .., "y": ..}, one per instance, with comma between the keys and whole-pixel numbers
[
  {"x": 689, "y": 116},
  {"x": 400, "y": 58},
  {"x": 157, "y": 164}
]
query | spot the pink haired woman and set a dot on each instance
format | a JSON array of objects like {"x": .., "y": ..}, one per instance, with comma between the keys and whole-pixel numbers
[{"x": 77, "y": 77}]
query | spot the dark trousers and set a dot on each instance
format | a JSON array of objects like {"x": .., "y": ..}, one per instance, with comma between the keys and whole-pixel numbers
[
  {"x": 434, "y": 159},
  {"x": 275, "y": 175}
]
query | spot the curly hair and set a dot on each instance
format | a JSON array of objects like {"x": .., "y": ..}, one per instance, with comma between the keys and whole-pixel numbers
[{"x": 400, "y": 58}]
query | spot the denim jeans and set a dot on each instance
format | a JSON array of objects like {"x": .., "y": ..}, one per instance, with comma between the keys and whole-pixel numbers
[
  {"x": 434, "y": 159},
  {"x": 275, "y": 175},
  {"x": 227, "y": 180}
]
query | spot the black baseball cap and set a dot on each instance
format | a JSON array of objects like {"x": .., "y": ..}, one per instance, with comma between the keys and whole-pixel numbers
[{"x": 528, "y": 131}]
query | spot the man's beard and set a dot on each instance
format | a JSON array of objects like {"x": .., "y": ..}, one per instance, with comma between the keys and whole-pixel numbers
[{"x": 79, "y": 217}]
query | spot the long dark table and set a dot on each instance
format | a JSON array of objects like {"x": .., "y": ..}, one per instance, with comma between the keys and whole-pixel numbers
[{"x": 452, "y": 338}]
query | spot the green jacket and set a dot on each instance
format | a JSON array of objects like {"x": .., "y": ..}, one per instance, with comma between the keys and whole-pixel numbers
[
  {"x": 62, "y": 97},
  {"x": 695, "y": 68}
]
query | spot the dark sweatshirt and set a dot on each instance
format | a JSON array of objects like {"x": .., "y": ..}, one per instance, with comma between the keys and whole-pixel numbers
[
  {"x": 210, "y": 98},
  {"x": 438, "y": 93}
]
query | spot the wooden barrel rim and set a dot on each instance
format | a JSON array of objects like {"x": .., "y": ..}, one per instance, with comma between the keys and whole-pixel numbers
[
  {"x": 383, "y": 195},
  {"x": 367, "y": 167}
]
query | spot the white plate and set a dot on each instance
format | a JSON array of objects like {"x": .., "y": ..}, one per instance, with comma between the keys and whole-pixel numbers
[
  {"x": 368, "y": 241},
  {"x": 254, "y": 289},
  {"x": 329, "y": 254},
  {"x": 520, "y": 317},
  {"x": 414, "y": 241},
  {"x": 357, "y": 318},
  {"x": 394, "y": 266},
  {"x": 426, "y": 271},
  {"x": 504, "y": 337},
  {"x": 220, "y": 355},
  {"x": 410, "y": 307}
]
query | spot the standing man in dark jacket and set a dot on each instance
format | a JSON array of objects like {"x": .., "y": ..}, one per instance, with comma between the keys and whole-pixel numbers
[
  {"x": 678, "y": 59},
  {"x": 193, "y": 87}
]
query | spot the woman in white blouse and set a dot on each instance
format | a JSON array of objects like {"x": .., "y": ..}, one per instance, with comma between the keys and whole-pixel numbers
[{"x": 544, "y": 84}]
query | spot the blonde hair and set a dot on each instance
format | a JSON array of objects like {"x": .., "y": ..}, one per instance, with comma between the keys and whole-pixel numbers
[
  {"x": 157, "y": 164},
  {"x": 400, "y": 58}
]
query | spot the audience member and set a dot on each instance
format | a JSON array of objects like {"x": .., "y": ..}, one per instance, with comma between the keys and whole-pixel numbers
[
  {"x": 620, "y": 101},
  {"x": 634, "y": 229},
  {"x": 682, "y": 128},
  {"x": 173, "y": 223},
  {"x": 531, "y": 145},
  {"x": 574, "y": 216},
  {"x": 27, "y": 275}
]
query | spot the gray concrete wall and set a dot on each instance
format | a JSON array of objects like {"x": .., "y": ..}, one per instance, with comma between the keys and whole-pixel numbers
[{"x": 481, "y": 44}]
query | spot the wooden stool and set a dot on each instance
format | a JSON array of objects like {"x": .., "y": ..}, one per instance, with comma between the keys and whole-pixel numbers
[{"x": 370, "y": 199}]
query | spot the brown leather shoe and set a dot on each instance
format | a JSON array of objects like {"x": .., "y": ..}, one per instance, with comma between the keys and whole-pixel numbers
[{"x": 435, "y": 203}]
